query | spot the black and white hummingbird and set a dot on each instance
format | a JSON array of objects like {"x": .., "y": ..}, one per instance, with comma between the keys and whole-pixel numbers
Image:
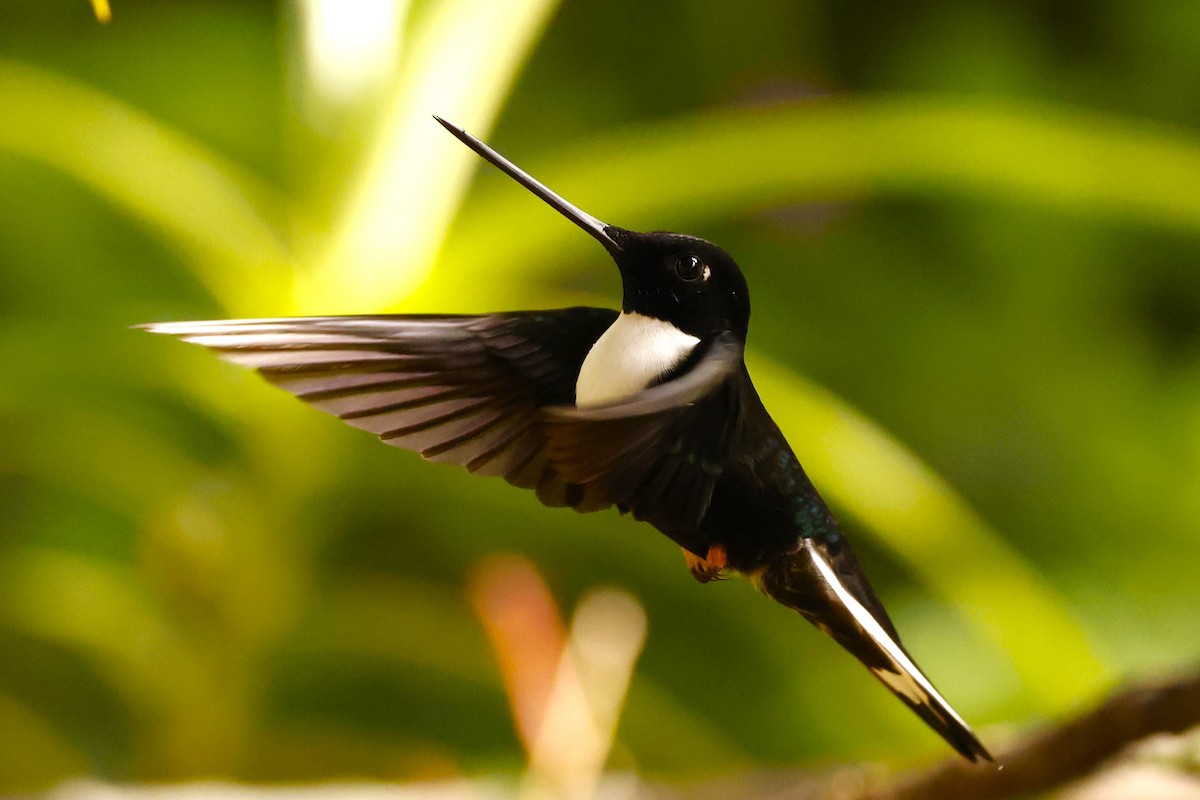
[{"x": 650, "y": 409}]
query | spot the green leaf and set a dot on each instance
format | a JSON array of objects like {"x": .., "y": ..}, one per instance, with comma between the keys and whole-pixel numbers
[{"x": 220, "y": 218}]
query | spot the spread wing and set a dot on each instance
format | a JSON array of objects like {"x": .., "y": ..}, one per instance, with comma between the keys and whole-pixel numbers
[
  {"x": 661, "y": 451},
  {"x": 495, "y": 394},
  {"x": 464, "y": 390}
]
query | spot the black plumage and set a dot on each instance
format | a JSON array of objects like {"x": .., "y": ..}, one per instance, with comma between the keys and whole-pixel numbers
[{"x": 690, "y": 449}]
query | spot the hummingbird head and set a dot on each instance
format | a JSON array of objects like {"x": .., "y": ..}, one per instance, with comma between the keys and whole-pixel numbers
[{"x": 683, "y": 280}]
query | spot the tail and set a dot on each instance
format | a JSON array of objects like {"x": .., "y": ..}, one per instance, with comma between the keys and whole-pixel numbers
[{"x": 825, "y": 584}]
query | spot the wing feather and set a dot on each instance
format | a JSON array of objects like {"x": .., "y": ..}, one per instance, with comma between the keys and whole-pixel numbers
[
  {"x": 458, "y": 389},
  {"x": 496, "y": 394}
]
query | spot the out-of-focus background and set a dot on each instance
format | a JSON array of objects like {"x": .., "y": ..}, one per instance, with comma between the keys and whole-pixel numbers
[{"x": 972, "y": 236}]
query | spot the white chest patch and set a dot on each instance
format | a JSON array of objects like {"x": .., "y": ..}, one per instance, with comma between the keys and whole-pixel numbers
[{"x": 631, "y": 355}]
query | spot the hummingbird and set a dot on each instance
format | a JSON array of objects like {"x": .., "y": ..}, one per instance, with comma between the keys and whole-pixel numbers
[{"x": 649, "y": 409}]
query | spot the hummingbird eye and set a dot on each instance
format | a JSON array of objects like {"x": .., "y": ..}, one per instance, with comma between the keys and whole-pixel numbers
[{"x": 690, "y": 268}]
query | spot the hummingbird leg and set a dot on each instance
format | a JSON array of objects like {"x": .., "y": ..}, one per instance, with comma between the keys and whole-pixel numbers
[{"x": 709, "y": 568}]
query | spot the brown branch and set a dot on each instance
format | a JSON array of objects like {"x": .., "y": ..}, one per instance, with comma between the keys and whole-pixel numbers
[
  {"x": 1044, "y": 760},
  {"x": 1062, "y": 753}
]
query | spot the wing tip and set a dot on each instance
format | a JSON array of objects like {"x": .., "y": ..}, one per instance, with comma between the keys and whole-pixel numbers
[
  {"x": 202, "y": 327},
  {"x": 182, "y": 328}
]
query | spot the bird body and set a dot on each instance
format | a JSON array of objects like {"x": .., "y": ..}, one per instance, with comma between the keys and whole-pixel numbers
[{"x": 650, "y": 410}]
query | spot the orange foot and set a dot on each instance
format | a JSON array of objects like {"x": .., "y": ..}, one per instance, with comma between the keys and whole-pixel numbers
[{"x": 709, "y": 568}]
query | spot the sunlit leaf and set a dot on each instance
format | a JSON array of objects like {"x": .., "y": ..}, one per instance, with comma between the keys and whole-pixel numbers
[
  {"x": 460, "y": 62},
  {"x": 102, "y": 10}
]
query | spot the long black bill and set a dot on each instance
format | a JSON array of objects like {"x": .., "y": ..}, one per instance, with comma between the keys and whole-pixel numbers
[{"x": 595, "y": 227}]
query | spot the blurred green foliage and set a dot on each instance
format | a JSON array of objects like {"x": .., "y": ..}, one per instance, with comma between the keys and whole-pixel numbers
[{"x": 969, "y": 228}]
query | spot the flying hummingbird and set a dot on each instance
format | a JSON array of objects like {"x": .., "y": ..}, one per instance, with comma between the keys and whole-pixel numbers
[{"x": 650, "y": 409}]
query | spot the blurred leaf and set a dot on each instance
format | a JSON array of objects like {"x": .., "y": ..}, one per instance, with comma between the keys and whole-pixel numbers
[
  {"x": 64, "y": 701},
  {"x": 413, "y": 622},
  {"x": 35, "y": 753},
  {"x": 224, "y": 221},
  {"x": 101, "y": 610},
  {"x": 461, "y": 60},
  {"x": 102, "y": 10}
]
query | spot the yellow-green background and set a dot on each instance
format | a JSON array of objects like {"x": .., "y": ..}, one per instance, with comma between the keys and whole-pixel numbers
[{"x": 972, "y": 234}]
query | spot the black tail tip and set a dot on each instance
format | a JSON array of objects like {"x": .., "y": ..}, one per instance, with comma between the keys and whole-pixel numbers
[
  {"x": 969, "y": 747},
  {"x": 950, "y": 727}
]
